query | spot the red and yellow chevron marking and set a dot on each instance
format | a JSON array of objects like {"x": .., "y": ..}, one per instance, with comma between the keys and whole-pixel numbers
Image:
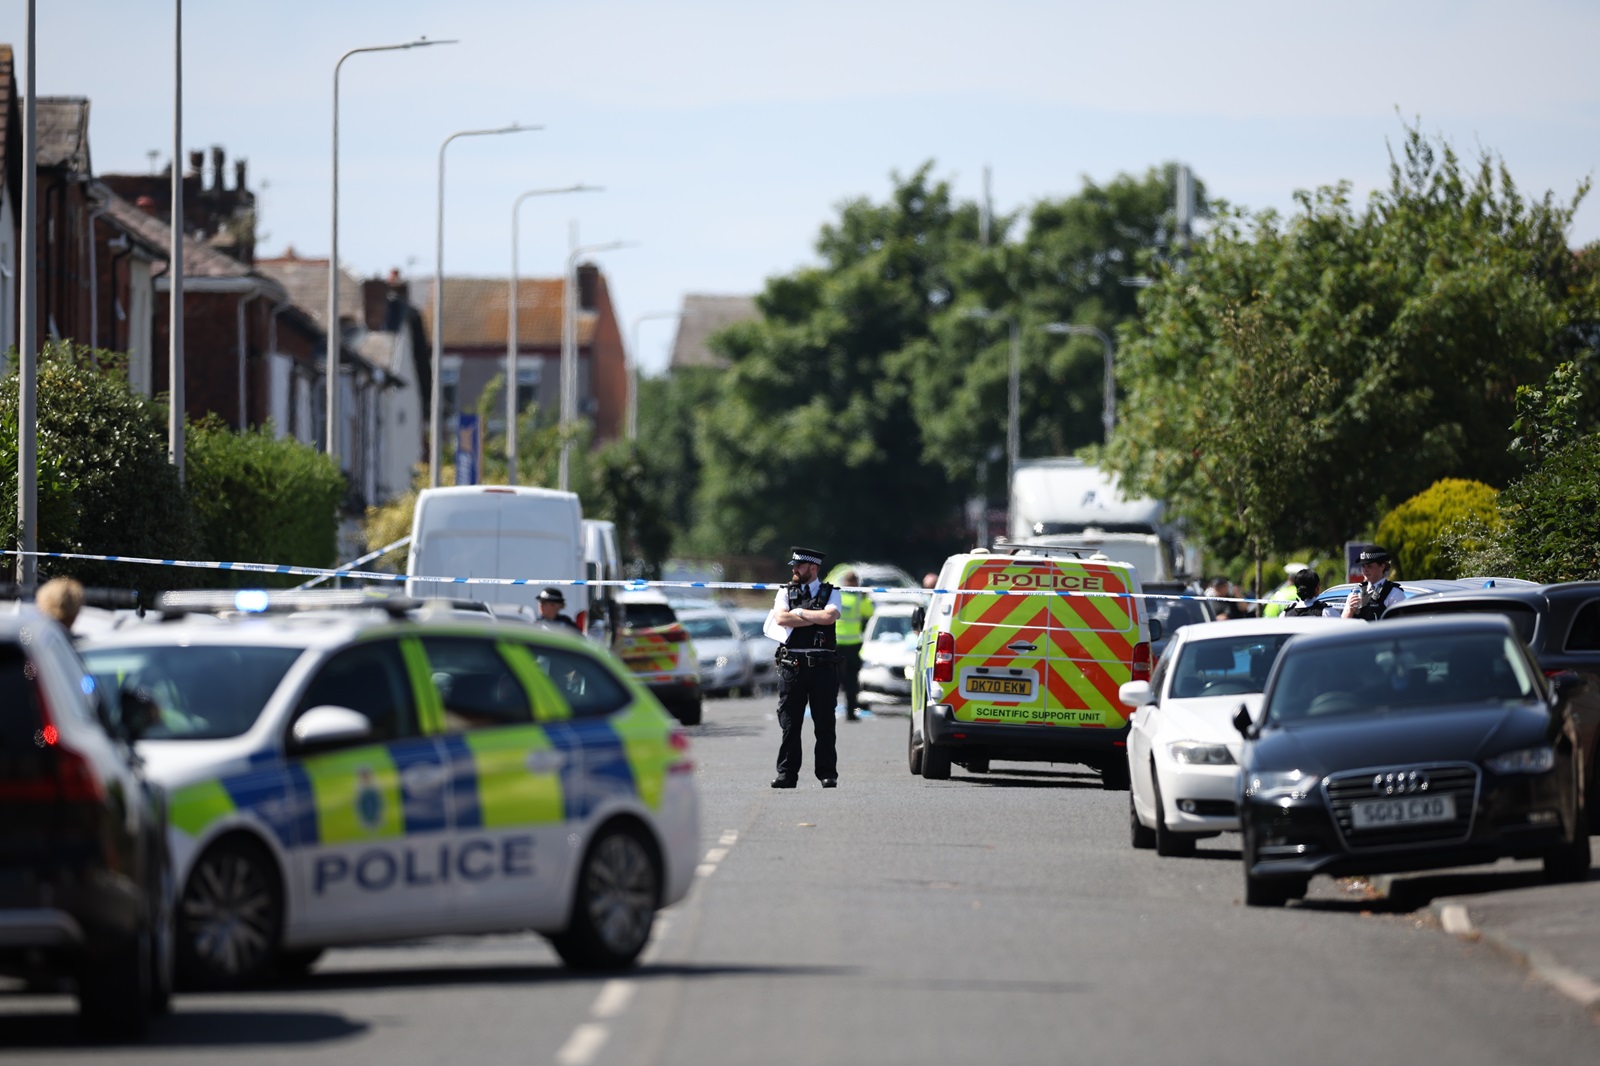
[
  {"x": 1083, "y": 645},
  {"x": 647, "y": 651}
]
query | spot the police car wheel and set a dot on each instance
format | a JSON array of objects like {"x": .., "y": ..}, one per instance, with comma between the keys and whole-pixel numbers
[
  {"x": 935, "y": 762},
  {"x": 1114, "y": 776},
  {"x": 689, "y": 712},
  {"x": 913, "y": 751},
  {"x": 619, "y": 888},
  {"x": 230, "y": 917}
]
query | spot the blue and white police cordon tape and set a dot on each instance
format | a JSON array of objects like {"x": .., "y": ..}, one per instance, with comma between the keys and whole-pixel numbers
[{"x": 626, "y": 584}]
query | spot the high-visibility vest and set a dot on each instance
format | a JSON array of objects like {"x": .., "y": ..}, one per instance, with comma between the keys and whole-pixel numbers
[
  {"x": 1283, "y": 597},
  {"x": 854, "y": 610}
]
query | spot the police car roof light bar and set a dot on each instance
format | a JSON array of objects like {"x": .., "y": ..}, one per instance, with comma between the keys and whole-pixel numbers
[{"x": 262, "y": 601}]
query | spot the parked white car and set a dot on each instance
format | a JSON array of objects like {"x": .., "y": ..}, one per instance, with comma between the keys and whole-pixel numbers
[
  {"x": 889, "y": 650},
  {"x": 725, "y": 666},
  {"x": 1183, "y": 748}
]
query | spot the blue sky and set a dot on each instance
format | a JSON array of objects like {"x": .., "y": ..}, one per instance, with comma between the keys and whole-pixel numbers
[{"x": 726, "y": 133}]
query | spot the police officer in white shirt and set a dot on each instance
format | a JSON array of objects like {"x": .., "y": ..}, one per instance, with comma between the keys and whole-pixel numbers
[
  {"x": 1376, "y": 593},
  {"x": 801, "y": 621}
]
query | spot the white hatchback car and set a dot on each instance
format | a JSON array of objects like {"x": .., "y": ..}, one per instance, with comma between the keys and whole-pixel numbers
[{"x": 1183, "y": 749}]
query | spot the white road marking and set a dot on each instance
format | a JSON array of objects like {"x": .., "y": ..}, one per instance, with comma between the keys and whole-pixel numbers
[
  {"x": 1455, "y": 920},
  {"x": 705, "y": 869},
  {"x": 613, "y": 998},
  {"x": 729, "y": 837},
  {"x": 582, "y": 1045},
  {"x": 716, "y": 854}
]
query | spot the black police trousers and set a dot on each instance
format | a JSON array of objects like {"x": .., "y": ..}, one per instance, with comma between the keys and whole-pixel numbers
[{"x": 801, "y": 684}]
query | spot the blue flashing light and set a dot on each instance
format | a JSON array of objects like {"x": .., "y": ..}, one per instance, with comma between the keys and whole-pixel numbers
[
  {"x": 87, "y": 684},
  {"x": 251, "y": 601}
]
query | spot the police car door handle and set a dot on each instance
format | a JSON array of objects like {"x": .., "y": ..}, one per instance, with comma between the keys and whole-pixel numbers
[
  {"x": 424, "y": 777},
  {"x": 1021, "y": 645},
  {"x": 545, "y": 762}
]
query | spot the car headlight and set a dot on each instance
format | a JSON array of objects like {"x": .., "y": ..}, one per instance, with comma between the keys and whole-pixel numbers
[
  {"x": 1527, "y": 761},
  {"x": 1195, "y": 753},
  {"x": 1280, "y": 784}
]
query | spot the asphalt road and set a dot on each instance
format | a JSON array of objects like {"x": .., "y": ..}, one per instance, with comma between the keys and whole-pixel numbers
[{"x": 997, "y": 919}]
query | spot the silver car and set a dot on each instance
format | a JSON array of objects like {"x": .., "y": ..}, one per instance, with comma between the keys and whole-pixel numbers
[
  {"x": 725, "y": 666},
  {"x": 889, "y": 650},
  {"x": 761, "y": 648}
]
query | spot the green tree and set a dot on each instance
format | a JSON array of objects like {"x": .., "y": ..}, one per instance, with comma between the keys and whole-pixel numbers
[
  {"x": 1428, "y": 532},
  {"x": 106, "y": 485},
  {"x": 1552, "y": 516},
  {"x": 1424, "y": 310}
]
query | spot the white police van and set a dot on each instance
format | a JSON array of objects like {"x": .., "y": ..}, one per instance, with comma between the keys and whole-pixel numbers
[{"x": 345, "y": 777}]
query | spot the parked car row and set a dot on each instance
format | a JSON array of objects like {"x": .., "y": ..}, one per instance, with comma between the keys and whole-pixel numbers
[{"x": 1461, "y": 728}]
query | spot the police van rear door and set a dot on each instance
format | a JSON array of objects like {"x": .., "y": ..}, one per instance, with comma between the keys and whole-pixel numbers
[
  {"x": 1000, "y": 640},
  {"x": 1091, "y": 644}
]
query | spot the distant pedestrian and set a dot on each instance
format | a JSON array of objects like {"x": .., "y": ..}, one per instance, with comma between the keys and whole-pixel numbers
[
  {"x": 61, "y": 598},
  {"x": 854, "y": 610},
  {"x": 1284, "y": 594},
  {"x": 802, "y": 621},
  {"x": 551, "y": 600},
  {"x": 1307, "y": 584}
]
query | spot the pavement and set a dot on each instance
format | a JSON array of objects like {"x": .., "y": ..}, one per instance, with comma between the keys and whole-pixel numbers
[{"x": 1552, "y": 931}]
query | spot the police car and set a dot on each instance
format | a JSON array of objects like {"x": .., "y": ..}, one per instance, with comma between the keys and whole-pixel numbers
[{"x": 344, "y": 777}]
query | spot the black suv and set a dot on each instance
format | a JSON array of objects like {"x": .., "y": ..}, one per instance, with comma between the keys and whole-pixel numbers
[
  {"x": 1561, "y": 625},
  {"x": 85, "y": 883}
]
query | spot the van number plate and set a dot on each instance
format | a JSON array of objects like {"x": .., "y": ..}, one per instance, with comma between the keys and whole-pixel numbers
[{"x": 1013, "y": 687}]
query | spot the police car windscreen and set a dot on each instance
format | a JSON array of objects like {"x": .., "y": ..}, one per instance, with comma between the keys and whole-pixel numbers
[
  {"x": 203, "y": 691},
  {"x": 706, "y": 627}
]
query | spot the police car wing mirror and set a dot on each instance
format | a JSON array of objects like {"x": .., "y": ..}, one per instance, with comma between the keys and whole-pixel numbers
[
  {"x": 1244, "y": 723},
  {"x": 919, "y": 615},
  {"x": 327, "y": 724},
  {"x": 1155, "y": 629}
]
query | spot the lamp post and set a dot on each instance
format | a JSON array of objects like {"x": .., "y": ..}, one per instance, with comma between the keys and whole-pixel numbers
[
  {"x": 435, "y": 393},
  {"x": 633, "y": 367},
  {"x": 1108, "y": 410},
  {"x": 1014, "y": 389},
  {"x": 335, "y": 335},
  {"x": 27, "y": 570},
  {"x": 513, "y": 338},
  {"x": 569, "y": 353}
]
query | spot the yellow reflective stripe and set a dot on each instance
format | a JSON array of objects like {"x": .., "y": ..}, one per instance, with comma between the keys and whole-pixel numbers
[
  {"x": 430, "y": 707},
  {"x": 643, "y": 730},
  {"x": 549, "y": 705},
  {"x": 196, "y": 806},
  {"x": 356, "y": 795},
  {"x": 509, "y": 793}
]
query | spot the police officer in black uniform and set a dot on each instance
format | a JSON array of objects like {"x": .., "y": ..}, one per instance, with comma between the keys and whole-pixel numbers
[
  {"x": 1376, "y": 593},
  {"x": 802, "y": 621},
  {"x": 551, "y": 600}
]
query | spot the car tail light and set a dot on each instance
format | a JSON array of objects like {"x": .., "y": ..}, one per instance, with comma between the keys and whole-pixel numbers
[
  {"x": 944, "y": 658},
  {"x": 73, "y": 778},
  {"x": 1141, "y": 661},
  {"x": 681, "y": 764}
]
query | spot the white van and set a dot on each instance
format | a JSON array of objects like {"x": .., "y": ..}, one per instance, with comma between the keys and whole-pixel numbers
[
  {"x": 604, "y": 561},
  {"x": 502, "y": 531}
]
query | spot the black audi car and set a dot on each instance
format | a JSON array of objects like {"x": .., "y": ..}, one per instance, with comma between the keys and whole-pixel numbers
[{"x": 1409, "y": 745}]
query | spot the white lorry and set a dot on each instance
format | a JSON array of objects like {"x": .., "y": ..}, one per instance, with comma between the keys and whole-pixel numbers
[
  {"x": 1068, "y": 501},
  {"x": 499, "y": 531}
]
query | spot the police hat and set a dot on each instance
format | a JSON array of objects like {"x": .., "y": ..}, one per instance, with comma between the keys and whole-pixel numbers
[
  {"x": 805, "y": 555},
  {"x": 553, "y": 595},
  {"x": 1374, "y": 554}
]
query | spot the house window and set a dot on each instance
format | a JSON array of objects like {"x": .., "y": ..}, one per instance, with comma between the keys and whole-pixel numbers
[
  {"x": 449, "y": 387},
  {"x": 528, "y": 378}
]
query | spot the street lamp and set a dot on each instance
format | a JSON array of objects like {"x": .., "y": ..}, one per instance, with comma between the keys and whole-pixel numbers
[
  {"x": 335, "y": 335},
  {"x": 435, "y": 421},
  {"x": 1108, "y": 410},
  {"x": 513, "y": 338},
  {"x": 569, "y": 352},
  {"x": 1013, "y": 392},
  {"x": 633, "y": 367}
]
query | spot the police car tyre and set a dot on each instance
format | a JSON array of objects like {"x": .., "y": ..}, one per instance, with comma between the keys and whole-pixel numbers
[
  {"x": 1570, "y": 862},
  {"x": 913, "y": 750},
  {"x": 619, "y": 889},
  {"x": 978, "y": 764},
  {"x": 114, "y": 993},
  {"x": 1140, "y": 835},
  {"x": 1168, "y": 843},
  {"x": 231, "y": 915},
  {"x": 689, "y": 712},
  {"x": 935, "y": 762},
  {"x": 163, "y": 962},
  {"x": 1114, "y": 776}
]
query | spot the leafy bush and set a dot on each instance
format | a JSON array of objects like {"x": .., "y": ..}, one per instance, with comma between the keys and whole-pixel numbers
[
  {"x": 1416, "y": 532},
  {"x": 105, "y": 485},
  {"x": 1552, "y": 515},
  {"x": 262, "y": 500}
]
